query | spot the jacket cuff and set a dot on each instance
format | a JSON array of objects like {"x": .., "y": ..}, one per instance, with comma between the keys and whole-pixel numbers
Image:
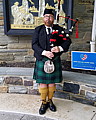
[
  {"x": 61, "y": 49},
  {"x": 44, "y": 52}
]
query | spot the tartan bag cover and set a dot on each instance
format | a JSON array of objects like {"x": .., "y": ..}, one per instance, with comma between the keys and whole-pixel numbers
[{"x": 47, "y": 78}]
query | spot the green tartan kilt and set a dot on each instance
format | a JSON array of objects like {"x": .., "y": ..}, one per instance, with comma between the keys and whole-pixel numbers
[{"x": 47, "y": 78}]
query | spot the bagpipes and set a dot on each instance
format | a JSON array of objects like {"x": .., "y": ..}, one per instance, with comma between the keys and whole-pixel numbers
[{"x": 65, "y": 33}]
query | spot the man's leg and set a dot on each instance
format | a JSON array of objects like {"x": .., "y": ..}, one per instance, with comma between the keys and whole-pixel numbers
[
  {"x": 43, "y": 89},
  {"x": 51, "y": 90}
]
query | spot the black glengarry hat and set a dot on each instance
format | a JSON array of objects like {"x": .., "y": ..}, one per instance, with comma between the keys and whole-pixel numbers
[{"x": 48, "y": 11}]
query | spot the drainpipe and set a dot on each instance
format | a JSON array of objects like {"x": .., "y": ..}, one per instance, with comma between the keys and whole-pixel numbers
[{"x": 92, "y": 43}]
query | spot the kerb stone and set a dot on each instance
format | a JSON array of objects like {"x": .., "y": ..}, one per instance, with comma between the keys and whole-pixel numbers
[
  {"x": 14, "y": 80},
  {"x": 3, "y": 89},
  {"x": 18, "y": 89}
]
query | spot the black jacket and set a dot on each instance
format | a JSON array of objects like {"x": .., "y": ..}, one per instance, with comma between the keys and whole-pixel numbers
[{"x": 40, "y": 42}]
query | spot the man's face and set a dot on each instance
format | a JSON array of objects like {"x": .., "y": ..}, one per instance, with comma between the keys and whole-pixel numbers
[{"x": 48, "y": 19}]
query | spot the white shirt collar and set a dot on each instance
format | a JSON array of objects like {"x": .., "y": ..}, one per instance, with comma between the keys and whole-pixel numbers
[{"x": 47, "y": 29}]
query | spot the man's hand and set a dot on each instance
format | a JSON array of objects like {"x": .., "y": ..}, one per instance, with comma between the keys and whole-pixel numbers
[
  {"x": 55, "y": 49},
  {"x": 49, "y": 54}
]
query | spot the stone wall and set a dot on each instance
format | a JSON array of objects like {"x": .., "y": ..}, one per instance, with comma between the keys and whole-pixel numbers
[
  {"x": 18, "y": 48},
  {"x": 80, "y": 92},
  {"x": 84, "y": 12},
  {"x": 13, "y": 48}
]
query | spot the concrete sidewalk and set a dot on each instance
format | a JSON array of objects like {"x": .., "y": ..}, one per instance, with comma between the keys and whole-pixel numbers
[{"x": 25, "y": 107}]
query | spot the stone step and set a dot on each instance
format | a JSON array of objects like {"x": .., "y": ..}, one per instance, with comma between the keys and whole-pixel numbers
[
  {"x": 16, "y": 55},
  {"x": 12, "y": 50}
]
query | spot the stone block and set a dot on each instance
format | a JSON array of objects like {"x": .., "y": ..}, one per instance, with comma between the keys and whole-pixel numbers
[
  {"x": 1, "y": 17},
  {"x": 1, "y": 33},
  {"x": 1, "y": 7},
  {"x": 35, "y": 85},
  {"x": 18, "y": 89},
  {"x": 25, "y": 39},
  {"x": 14, "y": 80},
  {"x": 92, "y": 86},
  {"x": 28, "y": 58},
  {"x": 28, "y": 83},
  {"x": 1, "y": 13},
  {"x": 1, "y": 80},
  {"x": 7, "y": 40},
  {"x": 18, "y": 59},
  {"x": 19, "y": 46},
  {"x": 59, "y": 87},
  {"x": 81, "y": 99},
  {"x": 30, "y": 52},
  {"x": 19, "y": 53},
  {"x": 3, "y": 89},
  {"x": 79, "y": 9},
  {"x": 1, "y": 28},
  {"x": 94, "y": 90},
  {"x": 84, "y": 87},
  {"x": 1, "y": 22},
  {"x": 82, "y": 92},
  {"x": 33, "y": 92},
  {"x": 70, "y": 87},
  {"x": 6, "y": 57},
  {"x": 90, "y": 7},
  {"x": 91, "y": 96},
  {"x": 61, "y": 94},
  {"x": 28, "y": 78}
]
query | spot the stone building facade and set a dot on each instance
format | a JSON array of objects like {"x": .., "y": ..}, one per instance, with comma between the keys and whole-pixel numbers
[
  {"x": 18, "y": 48},
  {"x": 15, "y": 49}
]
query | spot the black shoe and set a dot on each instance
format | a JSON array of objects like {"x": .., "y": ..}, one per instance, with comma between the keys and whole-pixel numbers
[
  {"x": 51, "y": 106},
  {"x": 43, "y": 108}
]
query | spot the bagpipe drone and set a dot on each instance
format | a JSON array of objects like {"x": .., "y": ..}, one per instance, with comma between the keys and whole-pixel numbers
[{"x": 65, "y": 33}]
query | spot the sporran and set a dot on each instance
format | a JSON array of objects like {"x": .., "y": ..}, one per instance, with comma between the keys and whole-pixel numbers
[{"x": 49, "y": 66}]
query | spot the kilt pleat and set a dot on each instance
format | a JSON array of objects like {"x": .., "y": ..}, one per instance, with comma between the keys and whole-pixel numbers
[{"x": 47, "y": 78}]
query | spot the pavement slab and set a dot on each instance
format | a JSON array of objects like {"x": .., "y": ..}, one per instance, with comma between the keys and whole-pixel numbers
[
  {"x": 20, "y": 116},
  {"x": 10, "y": 116},
  {"x": 27, "y": 106},
  {"x": 94, "y": 117}
]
